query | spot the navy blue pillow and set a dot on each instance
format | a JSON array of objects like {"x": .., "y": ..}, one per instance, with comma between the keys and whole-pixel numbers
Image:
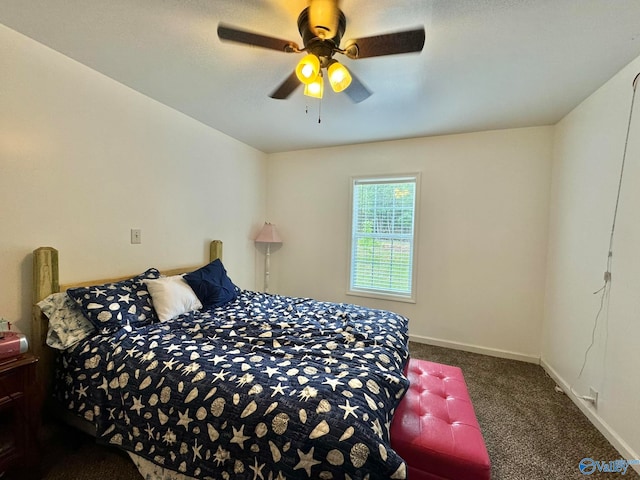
[
  {"x": 112, "y": 306},
  {"x": 211, "y": 284}
]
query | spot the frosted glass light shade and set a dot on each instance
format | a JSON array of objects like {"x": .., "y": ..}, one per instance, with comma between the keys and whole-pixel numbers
[
  {"x": 339, "y": 77},
  {"x": 308, "y": 68},
  {"x": 315, "y": 89}
]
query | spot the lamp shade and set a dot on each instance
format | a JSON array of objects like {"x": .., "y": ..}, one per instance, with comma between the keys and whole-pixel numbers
[
  {"x": 308, "y": 68},
  {"x": 315, "y": 89},
  {"x": 268, "y": 234},
  {"x": 339, "y": 76}
]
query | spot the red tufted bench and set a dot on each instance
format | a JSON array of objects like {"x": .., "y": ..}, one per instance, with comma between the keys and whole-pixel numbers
[{"x": 434, "y": 428}]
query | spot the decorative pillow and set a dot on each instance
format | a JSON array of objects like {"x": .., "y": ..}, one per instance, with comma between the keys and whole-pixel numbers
[
  {"x": 212, "y": 285},
  {"x": 67, "y": 323},
  {"x": 113, "y": 306},
  {"x": 172, "y": 296}
]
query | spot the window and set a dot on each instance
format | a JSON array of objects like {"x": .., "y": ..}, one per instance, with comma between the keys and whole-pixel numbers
[{"x": 383, "y": 239}]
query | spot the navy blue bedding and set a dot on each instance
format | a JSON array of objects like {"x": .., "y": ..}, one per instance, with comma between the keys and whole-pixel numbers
[{"x": 265, "y": 387}]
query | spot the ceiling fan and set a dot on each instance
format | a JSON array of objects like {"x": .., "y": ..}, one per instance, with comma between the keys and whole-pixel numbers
[{"x": 321, "y": 26}]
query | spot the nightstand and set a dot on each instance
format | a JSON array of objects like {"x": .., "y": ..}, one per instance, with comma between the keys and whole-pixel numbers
[{"x": 18, "y": 416}]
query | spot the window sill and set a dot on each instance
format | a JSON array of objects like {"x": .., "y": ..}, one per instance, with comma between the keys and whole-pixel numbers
[{"x": 380, "y": 296}]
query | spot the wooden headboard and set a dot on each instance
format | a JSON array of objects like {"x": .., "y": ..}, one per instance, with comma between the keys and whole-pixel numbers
[{"x": 46, "y": 281}]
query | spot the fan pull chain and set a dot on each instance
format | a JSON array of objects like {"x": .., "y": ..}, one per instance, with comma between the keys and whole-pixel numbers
[{"x": 306, "y": 110}]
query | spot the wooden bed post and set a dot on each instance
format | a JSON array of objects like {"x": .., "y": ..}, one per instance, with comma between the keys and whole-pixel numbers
[
  {"x": 45, "y": 282},
  {"x": 215, "y": 250}
]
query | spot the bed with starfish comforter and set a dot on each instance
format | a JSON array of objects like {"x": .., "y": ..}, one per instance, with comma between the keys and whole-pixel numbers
[{"x": 263, "y": 387}]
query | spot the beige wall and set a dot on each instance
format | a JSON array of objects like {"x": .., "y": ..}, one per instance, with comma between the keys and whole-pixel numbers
[
  {"x": 482, "y": 232},
  {"x": 589, "y": 145},
  {"x": 84, "y": 159}
]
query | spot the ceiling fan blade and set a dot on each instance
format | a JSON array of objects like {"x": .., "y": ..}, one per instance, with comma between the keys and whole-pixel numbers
[
  {"x": 357, "y": 92},
  {"x": 232, "y": 34},
  {"x": 386, "y": 44},
  {"x": 286, "y": 88}
]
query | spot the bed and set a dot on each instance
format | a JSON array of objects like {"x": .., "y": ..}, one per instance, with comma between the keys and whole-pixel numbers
[{"x": 250, "y": 386}]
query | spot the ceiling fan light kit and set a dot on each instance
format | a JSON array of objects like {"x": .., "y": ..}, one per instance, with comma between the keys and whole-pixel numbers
[
  {"x": 309, "y": 73},
  {"x": 321, "y": 26}
]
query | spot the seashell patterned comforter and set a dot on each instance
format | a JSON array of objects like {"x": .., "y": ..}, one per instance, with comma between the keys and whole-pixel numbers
[{"x": 266, "y": 387}]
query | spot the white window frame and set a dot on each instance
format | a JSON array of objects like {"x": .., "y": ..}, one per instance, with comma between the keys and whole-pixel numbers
[{"x": 374, "y": 293}]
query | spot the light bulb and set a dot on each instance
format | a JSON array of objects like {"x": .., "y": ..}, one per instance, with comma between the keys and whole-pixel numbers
[{"x": 307, "y": 71}]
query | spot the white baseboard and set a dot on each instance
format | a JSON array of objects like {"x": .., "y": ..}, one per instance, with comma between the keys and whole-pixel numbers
[
  {"x": 494, "y": 352},
  {"x": 603, "y": 427}
]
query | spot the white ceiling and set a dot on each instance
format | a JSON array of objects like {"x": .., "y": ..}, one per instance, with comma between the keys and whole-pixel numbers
[{"x": 487, "y": 64}]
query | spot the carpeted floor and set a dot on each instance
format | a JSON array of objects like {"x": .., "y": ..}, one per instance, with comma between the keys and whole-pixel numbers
[{"x": 531, "y": 431}]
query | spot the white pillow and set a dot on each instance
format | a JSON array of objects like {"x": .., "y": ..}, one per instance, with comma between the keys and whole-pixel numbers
[{"x": 172, "y": 296}]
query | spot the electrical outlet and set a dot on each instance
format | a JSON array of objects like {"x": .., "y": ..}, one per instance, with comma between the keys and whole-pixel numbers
[
  {"x": 593, "y": 393},
  {"x": 136, "y": 235}
]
